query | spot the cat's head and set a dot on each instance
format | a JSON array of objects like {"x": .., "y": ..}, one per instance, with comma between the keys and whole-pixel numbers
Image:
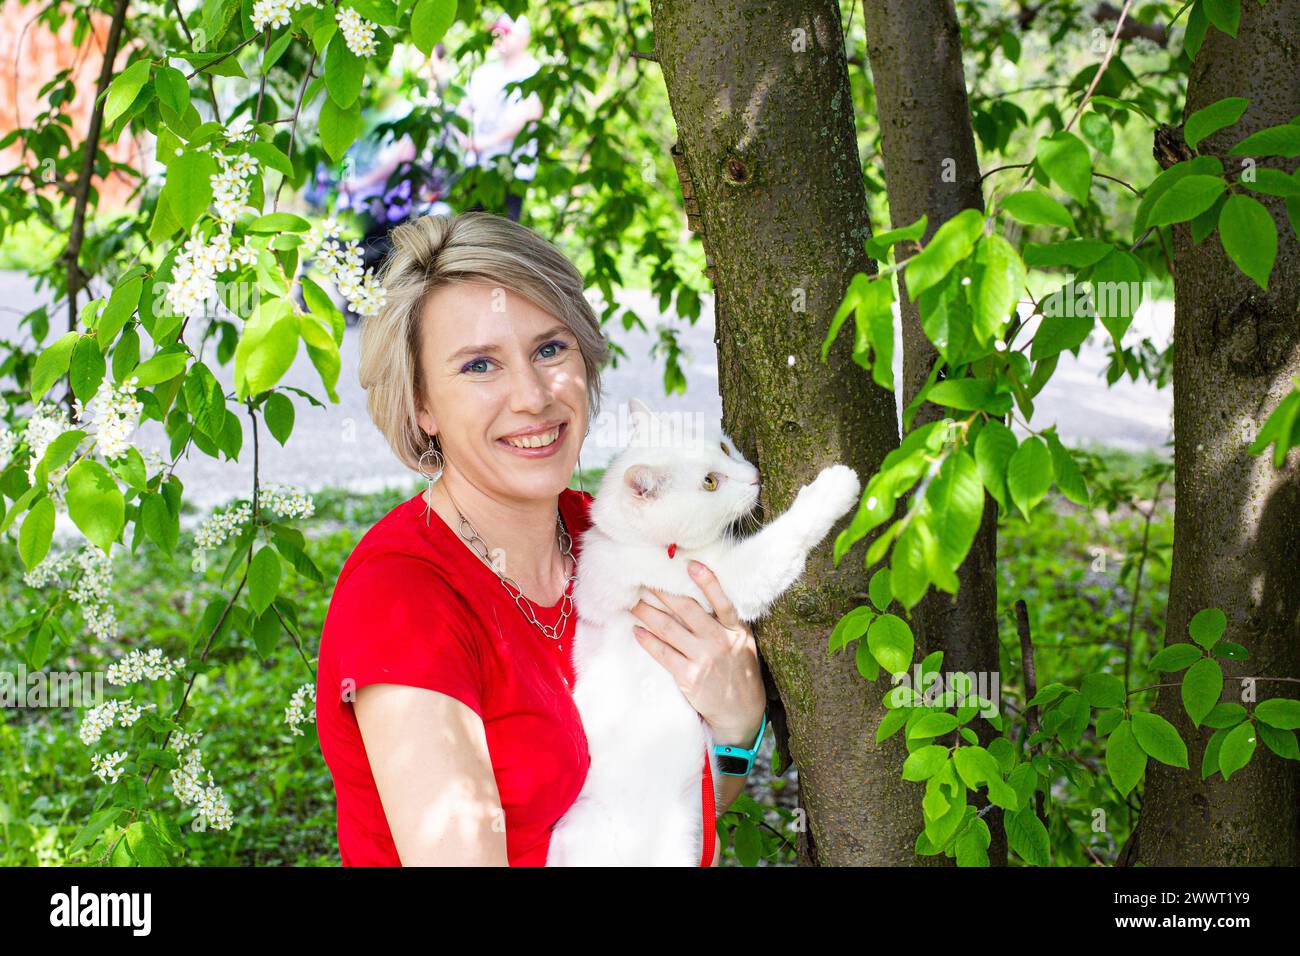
[{"x": 682, "y": 485}]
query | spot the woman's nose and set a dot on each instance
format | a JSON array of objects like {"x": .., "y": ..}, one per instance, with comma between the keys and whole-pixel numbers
[{"x": 529, "y": 390}]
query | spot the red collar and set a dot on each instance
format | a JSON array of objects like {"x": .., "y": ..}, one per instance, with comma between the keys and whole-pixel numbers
[{"x": 672, "y": 548}]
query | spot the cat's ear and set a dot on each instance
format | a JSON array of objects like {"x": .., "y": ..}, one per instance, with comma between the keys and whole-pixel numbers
[
  {"x": 641, "y": 416},
  {"x": 645, "y": 481}
]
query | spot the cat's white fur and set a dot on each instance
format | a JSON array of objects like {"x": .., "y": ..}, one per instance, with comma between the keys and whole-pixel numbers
[{"x": 641, "y": 802}]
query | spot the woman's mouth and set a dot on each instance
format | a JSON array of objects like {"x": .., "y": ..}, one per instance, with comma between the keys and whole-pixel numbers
[{"x": 536, "y": 446}]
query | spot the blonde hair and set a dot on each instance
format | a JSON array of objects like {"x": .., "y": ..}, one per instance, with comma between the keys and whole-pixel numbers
[{"x": 436, "y": 251}]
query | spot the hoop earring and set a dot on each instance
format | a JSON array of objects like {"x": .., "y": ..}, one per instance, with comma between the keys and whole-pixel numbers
[{"x": 442, "y": 465}]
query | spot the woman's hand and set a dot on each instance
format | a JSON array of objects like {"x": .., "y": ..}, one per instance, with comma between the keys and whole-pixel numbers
[{"x": 713, "y": 657}]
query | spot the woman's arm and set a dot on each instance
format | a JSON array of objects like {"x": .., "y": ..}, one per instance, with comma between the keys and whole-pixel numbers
[{"x": 428, "y": 753}]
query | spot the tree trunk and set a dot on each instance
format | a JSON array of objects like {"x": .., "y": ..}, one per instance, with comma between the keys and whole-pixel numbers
[
  {"x": 931, "y": 169},
  {"x": 1237, "y": 519},
  {"x": 772, "y": 181}
]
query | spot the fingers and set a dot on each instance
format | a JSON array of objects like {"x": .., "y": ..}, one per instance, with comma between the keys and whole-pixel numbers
[
  {"x": 707, "y": 582},
  {"x": 665, "y": 627},
  {"x": 688, "y": 610}
]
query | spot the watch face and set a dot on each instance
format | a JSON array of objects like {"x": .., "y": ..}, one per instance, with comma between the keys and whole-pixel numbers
[{"x": 735, "y": 766}]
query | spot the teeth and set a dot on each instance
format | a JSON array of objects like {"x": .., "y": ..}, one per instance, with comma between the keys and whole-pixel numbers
[{"x": 536, "y": 441}]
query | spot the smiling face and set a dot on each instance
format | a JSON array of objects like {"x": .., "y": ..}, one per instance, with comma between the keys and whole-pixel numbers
[{"x": 500, "y": 374}]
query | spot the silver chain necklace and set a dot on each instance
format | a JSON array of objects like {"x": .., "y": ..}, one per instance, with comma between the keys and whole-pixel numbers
[{"x": 553, "y": 631}]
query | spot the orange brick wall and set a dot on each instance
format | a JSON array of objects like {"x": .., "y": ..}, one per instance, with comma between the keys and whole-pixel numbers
[{"x": 35, "y": 55}]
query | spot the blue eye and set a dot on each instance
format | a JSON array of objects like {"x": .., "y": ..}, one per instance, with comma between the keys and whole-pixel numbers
[
  {"x": 468, "y": 366},
  {"x": 560, "y": 346},
  {"x": 554, "y": 343}
]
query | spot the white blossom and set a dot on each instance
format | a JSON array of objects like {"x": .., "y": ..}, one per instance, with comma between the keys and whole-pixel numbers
[
  {"x": 297, "y": 713},
  {"x": 91, "y": 590},
  {"x": 209, "y": 802},
  {"x": 107, "y": 767},
  {"x": 144, "y": 665},
  {"x": 358, "y": 33},
  {"x": 114, "y": 412}
]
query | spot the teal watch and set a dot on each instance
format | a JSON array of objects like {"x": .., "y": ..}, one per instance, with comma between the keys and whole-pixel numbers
[{"x": 737, "y": 761}]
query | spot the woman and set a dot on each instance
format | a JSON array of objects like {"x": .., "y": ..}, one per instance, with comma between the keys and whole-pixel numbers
[{"x": 444, "y": 684}]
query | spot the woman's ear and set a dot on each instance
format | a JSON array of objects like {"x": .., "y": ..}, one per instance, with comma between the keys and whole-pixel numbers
[{"x": 426, "y": 423}]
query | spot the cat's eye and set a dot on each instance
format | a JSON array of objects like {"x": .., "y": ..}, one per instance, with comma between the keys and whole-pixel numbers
[{"x": 710, "y": 482}]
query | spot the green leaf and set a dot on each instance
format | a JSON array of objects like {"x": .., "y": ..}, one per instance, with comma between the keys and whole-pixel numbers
[
  {"x": 1037, "y": 209},
  {"x": 1281, "y": 742},
  {"x": 188, "y": 189},
  {"x": 891, "y": 643},
  {"x": 956, "y": 498},
  {"x": 339, "y": 127},
  {"x": 972, "y": 844},
  {"x": 1225, "y": 716},
  {"x": 162, "y": 527},
  {"x": 1213, "y": 118},
  {"x": 278, "y": 412},
  {"x": 878, "y": 590},
  {"x": 1282, "y": 430},
  {"x": 279, "y": 222},
  {"x": 878, "y": 246},
  {"x": 1074, "y": 253},
  {"x": 1202, "y": 686},
  {"x": 124, "y": 89},
  {"x": 1029, "y": 474},
  {"x": 52, "y": 363},
  {"x": 1224, "y": 14},
  {"x": 263, "y": 578},
  {"x": 1280, "y": 712},
  {"x": 173, "y": 89},
  {"x": 1066, "y": 161},
  {"x": 121, "y": 306},
  {"x": 1207, "y": 626},
  {"x": 951, "y": 243},
  {"x": 266, "y": 349},
  {"x": 1125, "y": 760},
  {"x": 865, "y": 661},
  {"x": 1159, "y": 739},
  {"x": 95, "y": 503},
  {"x": 1027, "y": 836},
  {"x": 994, "y": 447},
  {"x": 86, "y": 368},
  {"x": 1186, "y": 199},
  {"x": 36, "y": 534},
  {"x": 1068, "y": 477},
  {"x": 891, "y": 723},
  {"x": 932, "y": 725},
  {"x": 344, "y": 72},
  {"x": 1175, "y": 657},
  {"x": 429, "y": 21},
  {"x": 924, "y": 763},
  {"x": 1249, "y": 237},
  {"x": 1116, "y": 284},
  {"x": 996, "y": 282},
  {"x": 966, "y": 394},
  {"x": 163, "y": 365},
  {"x": 1238, "y": 747},
  {"x": 1103, "y": 690},
  {"x": 1281, "y": 140}
]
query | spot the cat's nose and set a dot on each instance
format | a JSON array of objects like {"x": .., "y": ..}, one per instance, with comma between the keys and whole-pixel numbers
[{"x": 756, "y": 480}]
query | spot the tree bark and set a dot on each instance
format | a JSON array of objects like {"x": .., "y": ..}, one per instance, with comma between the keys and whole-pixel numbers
[
  {"x": 1237, "y": 519},
  {"x": 773, "y": 183},
  {"x": 931, "y": 169}
]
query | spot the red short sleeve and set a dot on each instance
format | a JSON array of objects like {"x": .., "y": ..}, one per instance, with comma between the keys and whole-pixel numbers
[{"x": 396, "y": 620}]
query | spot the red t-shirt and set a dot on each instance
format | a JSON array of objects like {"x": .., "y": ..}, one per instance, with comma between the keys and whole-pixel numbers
[{"x": 413, "y": 606}]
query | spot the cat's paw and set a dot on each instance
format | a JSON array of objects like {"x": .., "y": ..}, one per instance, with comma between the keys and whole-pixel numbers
[{"x": 836, "y": 489}]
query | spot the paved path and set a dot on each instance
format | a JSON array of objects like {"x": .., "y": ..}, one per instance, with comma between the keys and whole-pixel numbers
[{"x": 339, "y": 446}]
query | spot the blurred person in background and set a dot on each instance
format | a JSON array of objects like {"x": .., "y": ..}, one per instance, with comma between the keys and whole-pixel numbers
[{"x": 497, "y": 115}]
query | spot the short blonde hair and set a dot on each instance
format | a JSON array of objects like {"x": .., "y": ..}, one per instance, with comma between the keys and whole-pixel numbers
[{"x": 436, "y": 251}]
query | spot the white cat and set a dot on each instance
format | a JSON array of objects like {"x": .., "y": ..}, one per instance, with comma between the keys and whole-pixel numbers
[{"x": 641, "y": 802}]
